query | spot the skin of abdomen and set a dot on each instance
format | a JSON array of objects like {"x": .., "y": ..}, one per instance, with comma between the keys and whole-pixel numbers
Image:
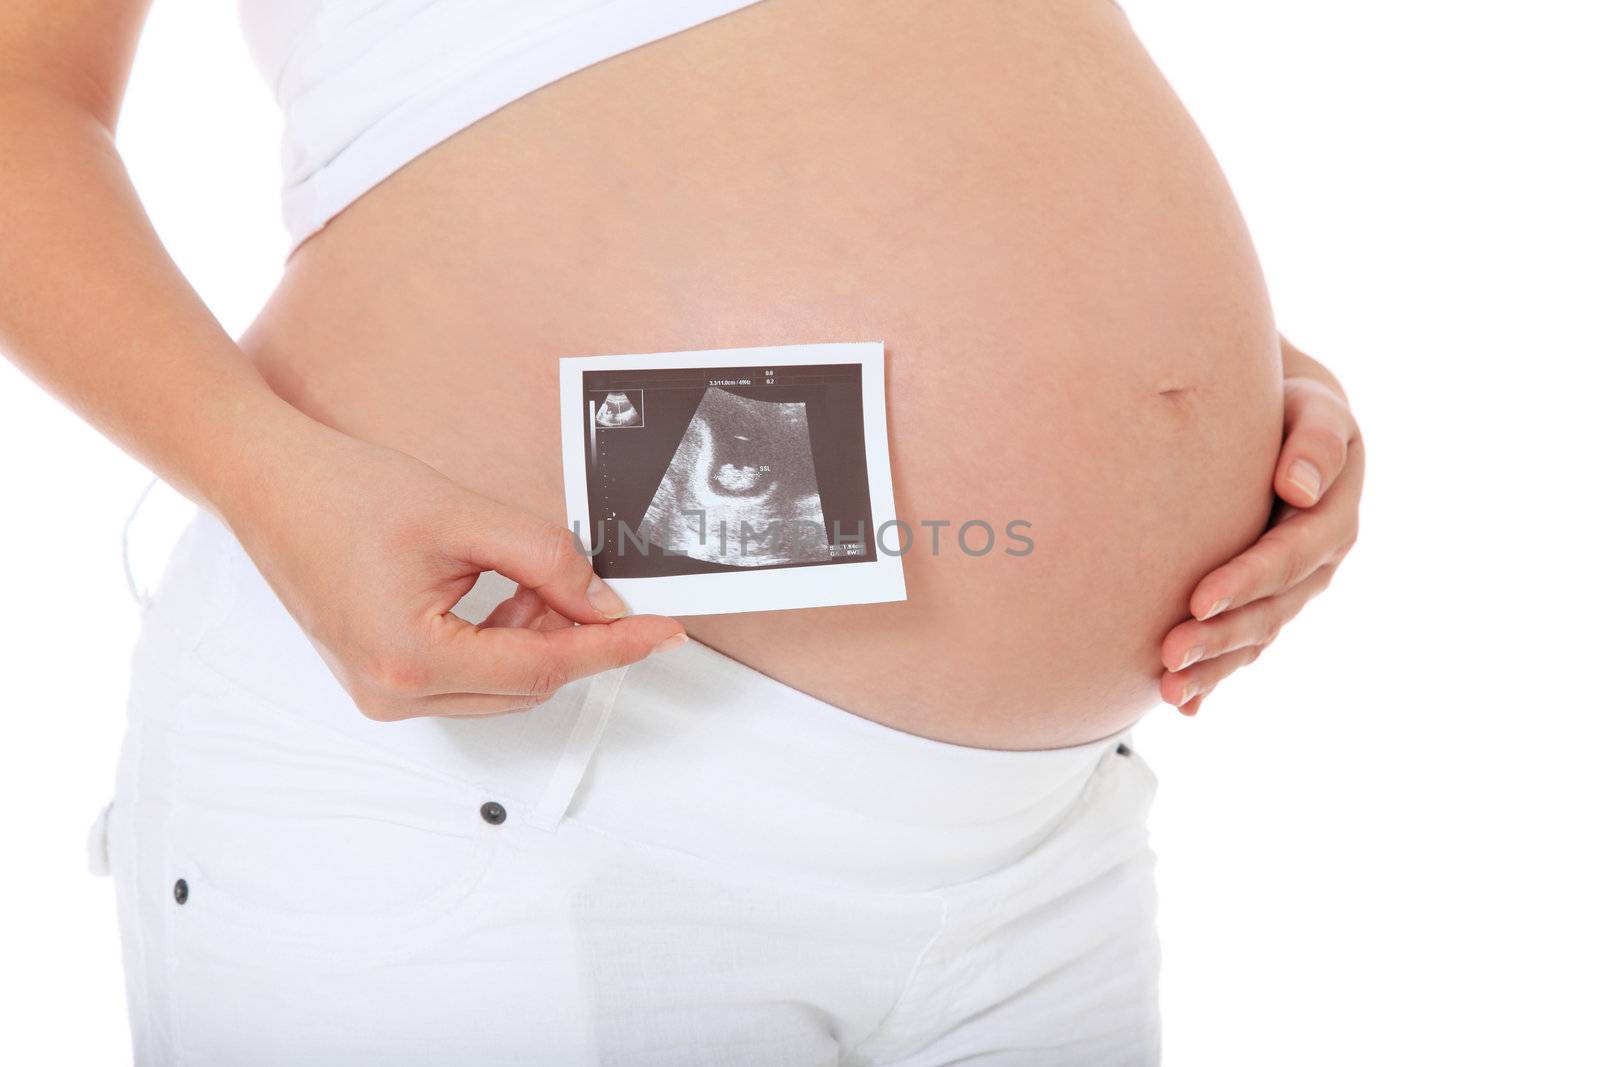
[{"x": 1007, "y": 194}]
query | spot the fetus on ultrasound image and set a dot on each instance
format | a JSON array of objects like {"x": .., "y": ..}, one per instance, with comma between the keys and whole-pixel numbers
[
  {"x": 741, "y": 489},
  {"x": 620, "y": 409}
]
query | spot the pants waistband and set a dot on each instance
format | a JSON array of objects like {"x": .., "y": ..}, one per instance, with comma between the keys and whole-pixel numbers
[
  {"x": 691, "y": 750},
  {"x": 702, "y": 754}
]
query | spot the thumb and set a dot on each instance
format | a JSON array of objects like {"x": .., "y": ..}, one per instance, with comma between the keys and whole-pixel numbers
[{"x": 1318, "y": 431}]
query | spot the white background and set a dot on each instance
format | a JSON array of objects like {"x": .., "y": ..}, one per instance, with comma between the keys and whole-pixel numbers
[{"x": 1378, "y": 844}]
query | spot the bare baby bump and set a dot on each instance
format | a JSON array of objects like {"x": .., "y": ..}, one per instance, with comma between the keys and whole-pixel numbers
[{"x": 1078, "y": 341}]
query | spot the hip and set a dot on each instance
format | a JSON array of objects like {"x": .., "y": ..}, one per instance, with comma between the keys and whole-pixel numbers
[
  {"x": 696, "y": 751},
  {"x": 659, "y": 863}
]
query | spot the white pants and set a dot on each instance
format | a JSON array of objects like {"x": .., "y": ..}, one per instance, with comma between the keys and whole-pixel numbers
[{"x": 682, "y": 862}]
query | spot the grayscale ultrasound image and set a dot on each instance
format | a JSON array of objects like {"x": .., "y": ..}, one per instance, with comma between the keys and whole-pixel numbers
[
  {"x": 700, "y": 470},
  {"x": 741, "y": 488}
]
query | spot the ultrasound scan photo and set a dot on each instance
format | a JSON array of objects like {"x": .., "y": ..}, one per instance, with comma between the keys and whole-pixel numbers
[{"x": 703, "y": 482}]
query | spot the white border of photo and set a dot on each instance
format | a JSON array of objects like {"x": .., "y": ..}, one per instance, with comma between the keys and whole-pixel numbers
[{"x": 767, "y": 589}]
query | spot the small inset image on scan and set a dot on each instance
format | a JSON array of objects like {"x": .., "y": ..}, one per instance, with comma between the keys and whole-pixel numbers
[{"x": 622, "y": 409}]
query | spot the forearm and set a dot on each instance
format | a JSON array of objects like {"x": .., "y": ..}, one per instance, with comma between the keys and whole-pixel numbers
[{"x": 93, "y": 308}]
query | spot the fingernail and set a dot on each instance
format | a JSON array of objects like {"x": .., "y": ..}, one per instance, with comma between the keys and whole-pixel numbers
[
  {"x": 1306, "y": 478},
  {"x": 1217, "y": 607},
  {"x": 1190, "y": 691},
  {"x": 605, "y": 599},
  {"x": 675, "y": 641},
  {"x": 1191, "y": 657}
]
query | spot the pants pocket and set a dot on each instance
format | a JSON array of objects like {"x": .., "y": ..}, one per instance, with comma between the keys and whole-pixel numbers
[
  {"x": 276, "y": 880},
  {"x": 291, "y": 844},
  {"x": 288, "y": 880}
]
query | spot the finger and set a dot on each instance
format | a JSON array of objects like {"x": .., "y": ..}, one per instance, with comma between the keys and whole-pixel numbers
[
  {"x": 543, "y": 557},
  {"x": 553, "y": 620},
  {"x": 510, "y": 661},
  {"x": 1182, "y": 687},
  {"x": 1258, "y": 623},
  {"x": 1285, "y": 555},
  {"x": 1193, "y": 707},
  {"x": 526, "y": 609},
  {"x": 397, "y": 708},
  {"x": 488, "y": 714},
  {"x": 1318, "y": 430},
  {"x": 473, "y": 706}
]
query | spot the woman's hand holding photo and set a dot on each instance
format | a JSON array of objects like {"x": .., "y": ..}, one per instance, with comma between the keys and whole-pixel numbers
[{"x": 370, "y": 549}]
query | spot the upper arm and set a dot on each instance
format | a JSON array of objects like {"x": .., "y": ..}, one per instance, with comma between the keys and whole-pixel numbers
[{"x": 79, "y": 49}]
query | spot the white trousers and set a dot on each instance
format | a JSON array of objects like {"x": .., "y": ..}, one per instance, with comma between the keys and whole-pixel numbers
[{"x": 682, "y": 862}]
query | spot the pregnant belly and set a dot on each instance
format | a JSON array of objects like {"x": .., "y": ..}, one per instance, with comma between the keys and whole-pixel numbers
[{"x": 1007, "y": 194}]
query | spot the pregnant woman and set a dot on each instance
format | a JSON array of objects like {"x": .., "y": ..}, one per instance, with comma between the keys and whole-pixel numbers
[{"x": 361, "y": 819}]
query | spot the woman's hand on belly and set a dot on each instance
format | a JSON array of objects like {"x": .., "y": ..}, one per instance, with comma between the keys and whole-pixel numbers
[
  {"x": 1240, "y": 607},
  {"x": 370, "y": 550}
]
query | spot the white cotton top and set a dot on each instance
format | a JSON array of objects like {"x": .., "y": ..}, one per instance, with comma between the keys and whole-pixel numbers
[{"x": 368, "y": 85}]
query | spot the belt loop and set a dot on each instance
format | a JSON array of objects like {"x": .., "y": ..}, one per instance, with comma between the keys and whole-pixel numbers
[{"x": 579, "y": 750}]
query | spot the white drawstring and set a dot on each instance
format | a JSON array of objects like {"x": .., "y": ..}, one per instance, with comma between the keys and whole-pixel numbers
[
  {"x": 140, "y": 597},
  {"x": 579, "y": 750}
]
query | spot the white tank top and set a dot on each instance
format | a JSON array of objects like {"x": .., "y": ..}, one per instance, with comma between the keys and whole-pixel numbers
[{"x": 368, "y": 85}]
